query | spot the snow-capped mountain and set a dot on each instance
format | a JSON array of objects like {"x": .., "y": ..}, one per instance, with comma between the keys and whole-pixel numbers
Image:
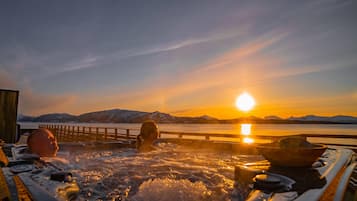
[
  {"x": 117, "y": 116},
  {"x": 131, "y": 116},
  {"x": 333, "y": 119}
]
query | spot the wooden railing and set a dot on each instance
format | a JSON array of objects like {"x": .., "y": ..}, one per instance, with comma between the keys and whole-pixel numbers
[
  {"x": 328, "y": 139},
  {"x": 70, "y": 133}
]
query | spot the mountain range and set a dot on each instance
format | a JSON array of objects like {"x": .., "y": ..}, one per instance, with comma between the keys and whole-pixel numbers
[{"x": 131, "y": 116}]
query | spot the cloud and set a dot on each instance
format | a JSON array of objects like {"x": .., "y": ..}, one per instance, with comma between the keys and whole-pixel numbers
[
  {"x": 184, "y": 43},
  {"x": 97, "y": 60},
  {"x": 220, "y": 71},
  {"x": 245, "y": 67},
  {"x": 240, "y": 68},
  {"x": 247, "y": 50},
  {"x": 84, "y": 63}
]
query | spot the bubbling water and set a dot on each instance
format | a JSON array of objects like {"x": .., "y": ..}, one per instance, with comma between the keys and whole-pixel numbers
[
  {"x": 169, "y": 173},
  {"x": 172, "y": 189}
]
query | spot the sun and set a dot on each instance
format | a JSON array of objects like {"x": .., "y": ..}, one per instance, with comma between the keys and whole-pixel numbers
[{"x": 245, "y": 102}]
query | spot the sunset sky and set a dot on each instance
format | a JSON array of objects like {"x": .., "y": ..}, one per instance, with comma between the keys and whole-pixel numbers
[{"x": 186, "y": 58}]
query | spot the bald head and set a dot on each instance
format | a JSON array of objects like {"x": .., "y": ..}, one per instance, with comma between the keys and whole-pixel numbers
[{"x": 42, "y": 142}]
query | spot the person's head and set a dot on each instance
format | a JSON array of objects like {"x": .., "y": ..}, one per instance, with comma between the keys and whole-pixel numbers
[
  {"x": 42, "y": 142},
  {"x": 149, "y": 131}
]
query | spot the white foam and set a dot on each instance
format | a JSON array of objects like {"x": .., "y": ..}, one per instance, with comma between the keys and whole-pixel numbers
[
  {"x": 170, "y": 189},
  {"x": 124, "y": 174}
]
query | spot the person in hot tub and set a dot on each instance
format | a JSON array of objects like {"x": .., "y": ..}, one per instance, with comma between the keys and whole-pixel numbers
[
  {"x": 42, "y": 142},
  {"x": 149, "y": 132}
]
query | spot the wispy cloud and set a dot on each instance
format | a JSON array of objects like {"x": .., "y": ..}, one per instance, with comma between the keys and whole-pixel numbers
[
  {"x": 184, "y": 43},
  {"x": 218, "y": 72},
  {"x": 87, "y": 62},
  {"x": 246, "y": 50},
  {"x": 242, "y": 67},
  {"x": 97, "y": 60}
]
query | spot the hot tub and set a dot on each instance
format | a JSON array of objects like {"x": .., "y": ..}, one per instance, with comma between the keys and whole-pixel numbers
[
  {"x": 182, "y": 170},
  {"x": 173, "y": 171}
]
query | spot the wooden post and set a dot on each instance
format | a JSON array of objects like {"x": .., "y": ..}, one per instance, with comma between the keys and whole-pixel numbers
[
  {"x": 105, "y": 133},
  {"x": 54, "y": 130},
  {"x": 96, "y": 134},
  {"x": 127, "y": 133},
  {"x": 78, "y": 134},
  {"x": 67, "y": 133},
  {"x": 8, "y": 112},
  {"x": 60, "y": 133},
  {"x": 72, "y": 138},
  {"x": 90, "y": 134},
  {"x": 83, "y": 137},
  {"x": 68, "y": 130},
  {"x": 116, "y": 133},
  {"x": 64, "y": 133}
]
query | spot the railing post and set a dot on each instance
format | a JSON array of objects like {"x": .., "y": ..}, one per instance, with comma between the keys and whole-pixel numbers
[
  {"x": 64, "y": 133},
  {"x": 68, "y": 132},
  {"x": 56, "y": 131},
  {"x": 72, "y": 133},
  {"x": 90, "y": 133},
  {"x": 116, "y": 133},
  {"x": 105, "y": 133},
  {"x": 78, "y": 135},
  {"x": 96, "y": 134},
  {"x": 60, "y": 133},
  {"x": 83, "y": 137},
  {"x": 127, "y": 133}
]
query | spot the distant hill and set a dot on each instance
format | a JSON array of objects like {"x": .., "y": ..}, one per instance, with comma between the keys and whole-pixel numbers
[
  {"x": 54, "y": 117},
  {"x": 117, "y": 116},
  {"x": 334, "y": 119},
  {"x": 131, "y": 116}
]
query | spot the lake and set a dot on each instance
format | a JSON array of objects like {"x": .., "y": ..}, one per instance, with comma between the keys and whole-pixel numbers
[
  {"x": 255, "y": 129},
  {"x": 245, "y": 129}
]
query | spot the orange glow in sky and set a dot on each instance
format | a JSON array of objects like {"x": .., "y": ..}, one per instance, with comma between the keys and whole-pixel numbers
[{"x": 182, "y": 65}]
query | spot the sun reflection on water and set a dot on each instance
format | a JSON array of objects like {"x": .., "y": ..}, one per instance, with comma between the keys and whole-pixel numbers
[
  {"x": 246, "y": 130},
  {"x": 248, "y": 140}
]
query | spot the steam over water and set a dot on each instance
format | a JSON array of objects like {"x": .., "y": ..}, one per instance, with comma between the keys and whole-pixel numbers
[{"x": 168, "y": 173}]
